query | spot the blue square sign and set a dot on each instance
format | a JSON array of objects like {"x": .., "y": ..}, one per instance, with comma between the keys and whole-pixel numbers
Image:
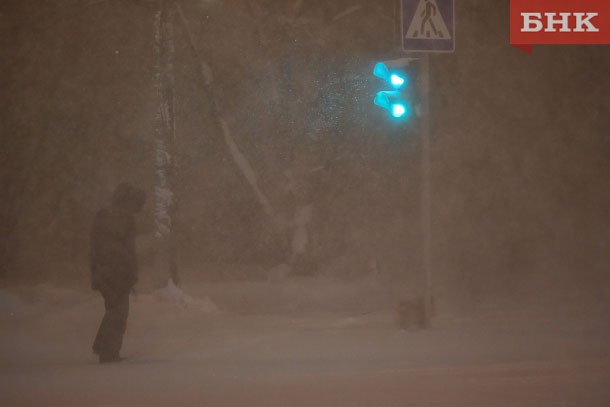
[{"x": 428, "y": 25}]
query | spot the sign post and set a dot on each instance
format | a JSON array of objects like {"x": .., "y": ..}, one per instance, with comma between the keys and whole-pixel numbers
[
  {"x": 426, "y": 191},
  {"x": 427, "y": 26}
]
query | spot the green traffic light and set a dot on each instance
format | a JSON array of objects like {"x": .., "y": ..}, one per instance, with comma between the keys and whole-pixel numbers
[
  {"x": 398, "y": 110},
  {"x": 396, "y": 79},
  {"x": 392, "y": 102}
]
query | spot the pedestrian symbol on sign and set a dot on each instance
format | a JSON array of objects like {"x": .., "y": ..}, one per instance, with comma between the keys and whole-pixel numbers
[{"x": 428, "y": 23}]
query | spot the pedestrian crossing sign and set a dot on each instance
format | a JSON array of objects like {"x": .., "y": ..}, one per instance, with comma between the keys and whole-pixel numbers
[{"x": 428, "y": 25}]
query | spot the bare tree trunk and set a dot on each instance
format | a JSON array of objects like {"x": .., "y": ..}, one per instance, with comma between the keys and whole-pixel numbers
[
  {"x": 164, "y": 139},
  {"x": 238, "y": 157}
]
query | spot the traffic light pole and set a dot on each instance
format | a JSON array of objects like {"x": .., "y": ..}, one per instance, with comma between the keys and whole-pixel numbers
[
  {"x": 397, "y": 105},
  {"x": 426, "y": 191}
]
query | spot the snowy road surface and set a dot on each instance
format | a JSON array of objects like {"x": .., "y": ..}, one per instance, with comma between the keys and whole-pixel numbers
[{"x": 179, "y": 355}]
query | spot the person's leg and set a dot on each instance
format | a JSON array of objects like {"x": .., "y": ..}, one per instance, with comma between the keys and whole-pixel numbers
[
  {"x": 102, "y": 332},
  {"x": 113, "y": 326}
]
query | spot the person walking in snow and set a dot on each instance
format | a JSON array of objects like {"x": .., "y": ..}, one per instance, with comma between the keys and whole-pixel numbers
[{"x": 114, "y": 267}]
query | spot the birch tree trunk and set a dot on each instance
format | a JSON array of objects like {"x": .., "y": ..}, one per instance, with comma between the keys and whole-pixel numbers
[
  {"x": 238, "y": 157},
  {"x": 164, "y": 142}
]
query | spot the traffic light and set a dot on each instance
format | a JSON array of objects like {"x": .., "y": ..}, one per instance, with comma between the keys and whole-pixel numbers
[
  {"x": 393, "y": 102},
  {"x": 395, "y": 75}
]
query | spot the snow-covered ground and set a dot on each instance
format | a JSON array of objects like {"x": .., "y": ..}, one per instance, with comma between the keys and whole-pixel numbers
[{"x": 297, "y": 343}]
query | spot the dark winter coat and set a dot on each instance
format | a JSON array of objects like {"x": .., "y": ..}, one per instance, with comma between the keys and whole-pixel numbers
[{"x": 114, "y": 266}]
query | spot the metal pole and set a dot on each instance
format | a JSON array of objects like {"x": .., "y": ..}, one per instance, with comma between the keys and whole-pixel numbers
[{"x": 426, "y": 191}]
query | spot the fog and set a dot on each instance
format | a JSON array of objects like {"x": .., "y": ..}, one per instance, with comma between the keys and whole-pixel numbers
[{"x": 282, "y": 247}]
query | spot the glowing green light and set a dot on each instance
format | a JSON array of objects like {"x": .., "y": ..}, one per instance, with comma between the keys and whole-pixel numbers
[
  {"x": 397, "y": 81},
  {"x": 398, "y": 110}
]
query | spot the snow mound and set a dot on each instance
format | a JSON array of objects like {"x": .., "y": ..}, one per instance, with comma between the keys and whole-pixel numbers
[
  {"x": 279, "y": 273},
  {"x": 174, "y": 294},
  {"x": 10, "y": 305}
]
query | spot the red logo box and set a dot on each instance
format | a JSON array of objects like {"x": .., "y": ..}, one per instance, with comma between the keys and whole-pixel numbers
[{"x": 559, "y": 22}]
